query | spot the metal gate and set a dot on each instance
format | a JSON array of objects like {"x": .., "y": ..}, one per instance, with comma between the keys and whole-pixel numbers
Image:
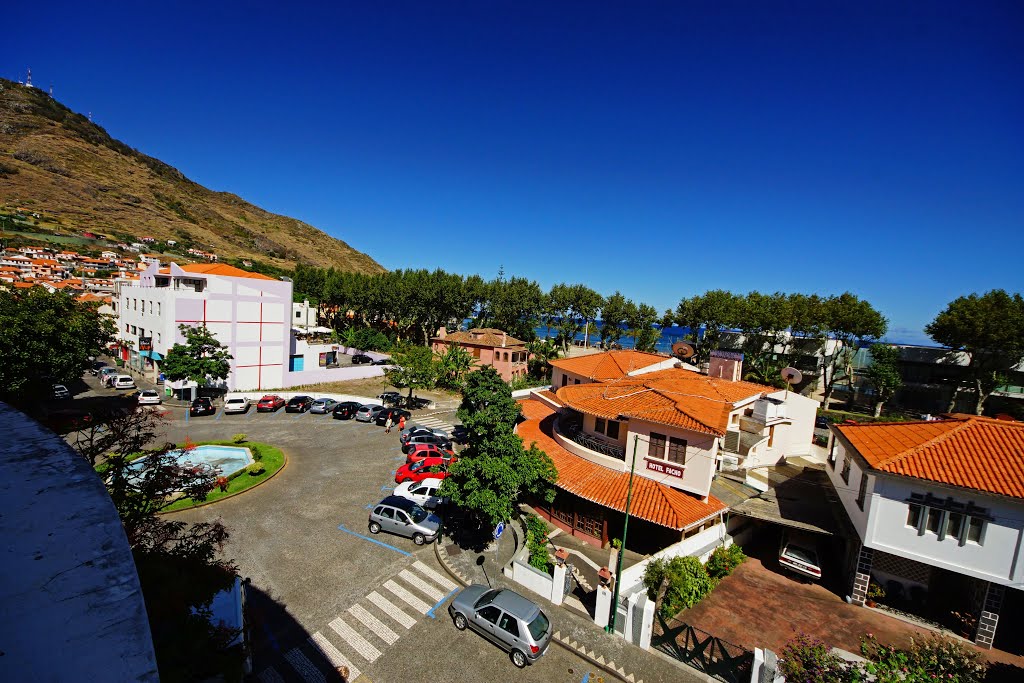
[{"x": 701, "y": 650}]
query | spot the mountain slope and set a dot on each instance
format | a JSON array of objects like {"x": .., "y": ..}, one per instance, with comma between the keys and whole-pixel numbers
[{"x": 56, "y": 162}]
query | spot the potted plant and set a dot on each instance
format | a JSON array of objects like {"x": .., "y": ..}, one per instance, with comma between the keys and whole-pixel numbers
[{"x": 875, "y": 593}]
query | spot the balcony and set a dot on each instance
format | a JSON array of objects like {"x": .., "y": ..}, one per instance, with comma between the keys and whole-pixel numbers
[{"x": 570, "y": 425}]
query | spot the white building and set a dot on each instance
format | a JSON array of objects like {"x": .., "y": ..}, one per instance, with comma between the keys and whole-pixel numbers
[
  {"x": 939, "y": 510},
  {"x": 304, "y": 315}
]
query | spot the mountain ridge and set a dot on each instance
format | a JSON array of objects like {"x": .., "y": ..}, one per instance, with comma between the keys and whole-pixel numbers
[{"x": 56, "y": 162}]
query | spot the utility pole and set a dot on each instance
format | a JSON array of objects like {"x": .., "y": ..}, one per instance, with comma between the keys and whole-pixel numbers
[{"x": 610, "y": 628}]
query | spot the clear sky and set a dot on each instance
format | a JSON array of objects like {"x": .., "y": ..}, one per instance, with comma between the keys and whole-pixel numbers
[{"x": 662, "y": 149}]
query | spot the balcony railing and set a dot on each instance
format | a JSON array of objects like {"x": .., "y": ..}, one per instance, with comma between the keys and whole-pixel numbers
[{"x": 571, "y": 426}]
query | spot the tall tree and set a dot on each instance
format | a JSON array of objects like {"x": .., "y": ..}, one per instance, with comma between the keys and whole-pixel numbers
[
  {"x": 46, "y": 339},
  {"x": 764, "y": 320},
  {"x": 201, "y": 358},
  {"x": 613, "y": 317},
  {"x": 848, "y": 323},
  {"x": 640, "y": 319},
  {"x": 575, "y": 306},
  {"x": 414, "y": 368},
  {"x": 707, "y": 316},
  {"x": 452, "y": 367},
  {"x": 515, "y": 306},
  {"x": 884, "y": 374},
  {"x": 989, "y": 330}
]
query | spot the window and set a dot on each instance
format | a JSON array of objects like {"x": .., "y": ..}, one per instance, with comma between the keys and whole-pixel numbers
[
  {"x": 565, "y": 380},
  {"x": 656, "y": 446},
  {"x": 489, "y": 613},
  {"x": 135, "y": 304},
  {"x": 384, "y": 512},
  {"x": 298, "y": 314},
  {"x": 613, "y": 429},
  {"x": 914, "y": 515},
  {"x": 575, "y": 381},
  {"x": 599, "y": 425},
  {"x": 934, "y": 521},
  {"x": 845, "y": 474},
  {"x": 975, "y": 530},
  {"x": 158, "y": 308},
  {"x": 676, "y": 450},
  {"x": 401, "y": 517},
  {"x": 832, "y": 455},
  {"x": 157, "y": 337},
  {"x": 133, "y": 330},
  {"x": 954, "y": 525},
  {"x": 508, "y": 623},
  {"x": 862, "y": 493}
]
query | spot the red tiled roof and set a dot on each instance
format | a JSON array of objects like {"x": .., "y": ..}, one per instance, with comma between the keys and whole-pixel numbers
[
  {"x": 218, "y": 269},
  {"x": 676, "y": 397},
  {"x": 972, "y": 452},
  {"x": 481, "y": 336},
  {"x": 608, "y": 365},
  {"x": 652, "y": 501}
]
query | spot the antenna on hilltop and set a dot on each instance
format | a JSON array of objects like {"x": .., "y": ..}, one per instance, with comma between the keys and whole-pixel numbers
[
  {"x": 28, "y": 79},
  {"x": 51, "y": 90},
  {"x": 90, "y": 117}
]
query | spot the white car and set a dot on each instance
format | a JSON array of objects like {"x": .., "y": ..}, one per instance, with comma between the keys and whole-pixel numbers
[
  {"x": 236, "y": 404},
  {"x": 422, "y": 492},
  {"x": 124, "y": 382},
  {"x": 799, "y": 555},
  {"x": 149, "y": 397}
]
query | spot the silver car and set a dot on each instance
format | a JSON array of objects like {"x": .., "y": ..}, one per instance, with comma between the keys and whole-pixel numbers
[
  {"x": 402, "y": 516},
  {"x": 236, "y": 404},
  {"x": 512, "y": 622},
  {"x": 322, "y": 406},
  {"x": 368, "y": 412}
]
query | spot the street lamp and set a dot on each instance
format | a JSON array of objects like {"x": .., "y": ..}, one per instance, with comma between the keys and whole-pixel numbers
[{"x": 610, "y": 628}]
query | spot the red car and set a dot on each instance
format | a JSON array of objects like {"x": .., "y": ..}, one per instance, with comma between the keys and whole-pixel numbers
[
  {"x": 418, "y": 471},
  {"x": 427, "y": 450},
  {"x": 269, "y": 403}
]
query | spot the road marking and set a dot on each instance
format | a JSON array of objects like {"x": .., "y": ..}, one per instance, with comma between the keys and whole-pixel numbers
[
  {"x": 358, "y": 643},
  {"x": 422, "y": 585},
  {"x": 390, "y": 609},
  {"x": 407, "y": 597},
  {"x": 303, "y": 666},
  {"x": 435, "y": 576},
  {"x": 219, "y": 413},
  {"x": 333, "y": 655},
  {"x": 440, "y": 602},
  {"x": 270, "y": 675},
  {"x": 341, "y": 527},
  {"x": 374, "y": 624}
]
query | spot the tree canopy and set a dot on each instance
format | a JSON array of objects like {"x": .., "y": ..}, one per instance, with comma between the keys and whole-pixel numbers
[
  {"x": 884, "y": 374},
  {"x": 200, "y": 358}
]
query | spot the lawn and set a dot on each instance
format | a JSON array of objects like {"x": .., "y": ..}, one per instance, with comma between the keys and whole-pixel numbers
[{"x": 272, "y": 461}]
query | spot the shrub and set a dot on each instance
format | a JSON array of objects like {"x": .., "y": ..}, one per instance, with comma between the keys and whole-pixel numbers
[
  {"x": 934, "y": 658},
  {"x": 239, "y": 438},
  {"x": 723, "y": 560},
  {"x": 536, "y": 542},
  {"x": 809, "y": 660},
  {"x": 255, "y": 469},
  {"x": 256, "y": 454},
  {"x": 686, "y": 583}
]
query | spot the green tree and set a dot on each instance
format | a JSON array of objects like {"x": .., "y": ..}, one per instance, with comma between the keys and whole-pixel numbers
[
  {"x": 414, "y": 368},
  {"x": 676, "y": 584},
  {"x": 613, "y": 317},
  {"x": 576, "y": 307},
  {"x": 200, "y": 358},
  {"x": 542, "y": 351},
  {"x": 495, "y": 473},
  {"x": 46, "y": 339},
  {"x": 884, "y": 374},
  {"x": 640, "y": 321},
  {"x": 989, "y": 330},
  {"x": 849, "y": 322},
  {"x": 453, "y": 366},
  {"x": 707, "y": 316}
]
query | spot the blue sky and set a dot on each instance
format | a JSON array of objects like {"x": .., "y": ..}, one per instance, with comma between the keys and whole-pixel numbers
[{"x": 661, "y": 149}]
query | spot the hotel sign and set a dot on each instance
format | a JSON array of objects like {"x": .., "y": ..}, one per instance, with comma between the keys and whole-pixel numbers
[
  {"x": 663, "y": 467},
  {"x": 145, "y": 343}
]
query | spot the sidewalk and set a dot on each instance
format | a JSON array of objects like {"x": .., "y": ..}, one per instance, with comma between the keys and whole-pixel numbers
[{"x": 574, "y": 630}]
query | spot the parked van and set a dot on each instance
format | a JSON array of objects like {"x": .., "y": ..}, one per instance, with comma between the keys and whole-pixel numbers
[{"x": 124, "y": 382}]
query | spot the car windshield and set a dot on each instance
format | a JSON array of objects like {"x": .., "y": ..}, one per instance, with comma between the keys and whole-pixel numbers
[
  {"x": 539, "y": 626},
  {"x": 801, "y": 554},
  {"x": 485, "y": 598},
  {"x": 417, "y": 465},
  {"x": 418, "y": 514}
]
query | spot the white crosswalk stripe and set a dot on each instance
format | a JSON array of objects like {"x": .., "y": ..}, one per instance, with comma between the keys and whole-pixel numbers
[
  {"x": 374, "y": 624},
  {"x": 436, "y": 422},
  {"x": 422, "y": 585},
  {"x": 270, "y": 675},
  {"x": 303, "y": 666},
  {"x": 333, "y": 655},
  {"x": 358, "y": 643},
  {"x": 434, "y": 576},
  {"x": 391, "y": 609},
  {"x": 407, "y": 597}
]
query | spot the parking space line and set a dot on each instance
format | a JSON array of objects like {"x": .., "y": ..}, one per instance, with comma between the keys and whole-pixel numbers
[
  {"x": 390, "y": 609},
  {"x": 374, "y": 624},
  {"x": 358, "y": 643},
  {"x": 303, "y": 666},
  {"x": 407, "y": 597},
  {"x": 341, "y": 527},
  {"x": 433, "y": 575},
  {"x": 333, "y": 655},
  {"x": 421, "y": 585},
  {"x": 441, "y": 602}
]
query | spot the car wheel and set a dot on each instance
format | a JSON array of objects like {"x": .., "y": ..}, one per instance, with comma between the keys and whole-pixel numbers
[
  {"x": 418, "y": 539},
  {"x": 374, "y": 528},
  {"x": 460, "y": 621},
  {"x": 406, "y": 480},
  {"x": 518, "y": 658}
]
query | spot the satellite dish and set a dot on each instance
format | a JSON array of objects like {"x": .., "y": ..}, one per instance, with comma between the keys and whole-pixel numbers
[
  {"x": 791, "y": 375},
  {"x": 683, "y": 350}
]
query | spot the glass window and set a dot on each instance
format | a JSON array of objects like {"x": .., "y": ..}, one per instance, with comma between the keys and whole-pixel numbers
[
  {"x": 934, "y": 521},
  {"x": 954, "y": 524},
  {"x": 401, "y": 517},
  {"x": 485, "y": 598},
  {"x": 565, "y": 380},
  {"x": 613, "y": 429},
  {"x": 677, "y": 450},
  {"x": 539, "y": 626},
  {"x": 490, "y": 613},
  {"x": 386, "y": 513},
  {"x": 599, "y": 425},
  {"x": 832, "y": 456},
  {"x": 862, "y": 493},
  {"x": 914, "y": 515},
  {"x": 974, "y": 529},
  {"x": 656, "y": 446},
  {"x": 510, "y": 624},
  {"x": 846, "y": 469}
]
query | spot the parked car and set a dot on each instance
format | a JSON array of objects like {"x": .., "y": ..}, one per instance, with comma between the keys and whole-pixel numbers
[
  {"x": 368, "y": 412},
  {"x": 97, "y": 367},
  {"x": 390, "y": 398},
  {"x": 394, "y": 413},
  {"x": 269, "y": 403},
  {"x": 60, "y": 391},
  {"x": 124, "y": 382},
  {"x": 402, "y": 516},
  {"x": 420, "y": 451},
  {"x": 510, "y": 621},
  {"x": 346, "y": 410},
  {"x": 236, "y": 404},
  {"x": 417, "y": 430},
  {"x": 423, "y": 493},
  {"x": 360, "y": 359},
  {"x": 799, "y": 554},
  {"x": 149, "y": 397},
  {"x": 322, "y": 406},
  {"x": 202, "y": 406},
  {"x": 418, "y": 471},
  {"x": 442, "y": 441},
  {"x": 382, "y": 361},
  {"x": 460, "y": 434},
  {"x": 298, "y": 404}
]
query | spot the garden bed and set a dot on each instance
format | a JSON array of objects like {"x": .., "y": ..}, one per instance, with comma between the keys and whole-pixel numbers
[{"x": 271, "y": 460}]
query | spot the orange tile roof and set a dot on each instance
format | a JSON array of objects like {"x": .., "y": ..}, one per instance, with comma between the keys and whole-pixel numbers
[
  {"x": 481, "y": 336},
  {"x": 675, "y": 397},
  {"x": 652, "y": 501},
  {"x": 224, "y": 269},
  {"x": 972, "y": 452},
  {"x": 608, "y": 365}
]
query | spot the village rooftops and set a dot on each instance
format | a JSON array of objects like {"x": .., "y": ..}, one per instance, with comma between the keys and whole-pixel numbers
[
  {"x": 482, "y": 336},
  {"x": 611, "y": 365}
]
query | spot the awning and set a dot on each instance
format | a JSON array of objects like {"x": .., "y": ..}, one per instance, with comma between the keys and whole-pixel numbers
[{"x": 151, "y": 354}]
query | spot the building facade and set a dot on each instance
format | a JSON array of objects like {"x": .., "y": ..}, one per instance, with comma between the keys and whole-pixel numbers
[{"x": 488, "y": 346}]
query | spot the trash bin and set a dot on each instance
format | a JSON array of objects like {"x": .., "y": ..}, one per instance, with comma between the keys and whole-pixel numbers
[{"x": 167, "y": 391}]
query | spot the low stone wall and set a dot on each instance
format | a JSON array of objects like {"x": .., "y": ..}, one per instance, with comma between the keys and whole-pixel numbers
[{"x": 321, "y": 376}]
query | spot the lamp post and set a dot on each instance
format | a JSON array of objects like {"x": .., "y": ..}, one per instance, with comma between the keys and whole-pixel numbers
[{"x": 610, "y": 628}]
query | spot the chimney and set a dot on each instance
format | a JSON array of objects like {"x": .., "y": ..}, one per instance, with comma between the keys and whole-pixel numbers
[
  {"x": 442, "y": 333},
  {"x": 504, "y": 338},
  {"x": 726, "y": 365}
]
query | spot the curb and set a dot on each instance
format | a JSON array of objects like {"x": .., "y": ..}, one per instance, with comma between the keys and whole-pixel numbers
[{"x": 236, "y": 493}]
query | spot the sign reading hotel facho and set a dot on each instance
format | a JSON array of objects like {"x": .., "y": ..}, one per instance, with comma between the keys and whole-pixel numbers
[{"x": 663, "y": 467}]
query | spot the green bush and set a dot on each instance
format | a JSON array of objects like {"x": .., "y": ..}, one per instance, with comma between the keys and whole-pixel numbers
[
  {"x": 256, "y": 454},
  {"x": 687, "y": 583},
  {"x": 932, "y": 659},
  {"x": 805, "y": 659},
  {"x": 723, "y": 560},
  {"x": 536, "y": 541},
  {"x": 239, "y": 438}
]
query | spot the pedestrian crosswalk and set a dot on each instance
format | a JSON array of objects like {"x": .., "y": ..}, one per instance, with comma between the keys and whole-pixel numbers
[
  {"x": 366, "y": 630},
  {"x": 437, "y": 420}
]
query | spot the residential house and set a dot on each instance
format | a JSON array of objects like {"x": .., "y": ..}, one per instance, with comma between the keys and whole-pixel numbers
[
  {"x": 938, "y": 507},
  {"x": 487, "y": 346}
]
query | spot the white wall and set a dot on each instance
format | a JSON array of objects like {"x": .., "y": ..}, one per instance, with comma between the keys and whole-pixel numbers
[
  {"x": 633, "y": 576},
  {"x": 798, "y": 435},
  {"x": 701, "y": 451}
]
